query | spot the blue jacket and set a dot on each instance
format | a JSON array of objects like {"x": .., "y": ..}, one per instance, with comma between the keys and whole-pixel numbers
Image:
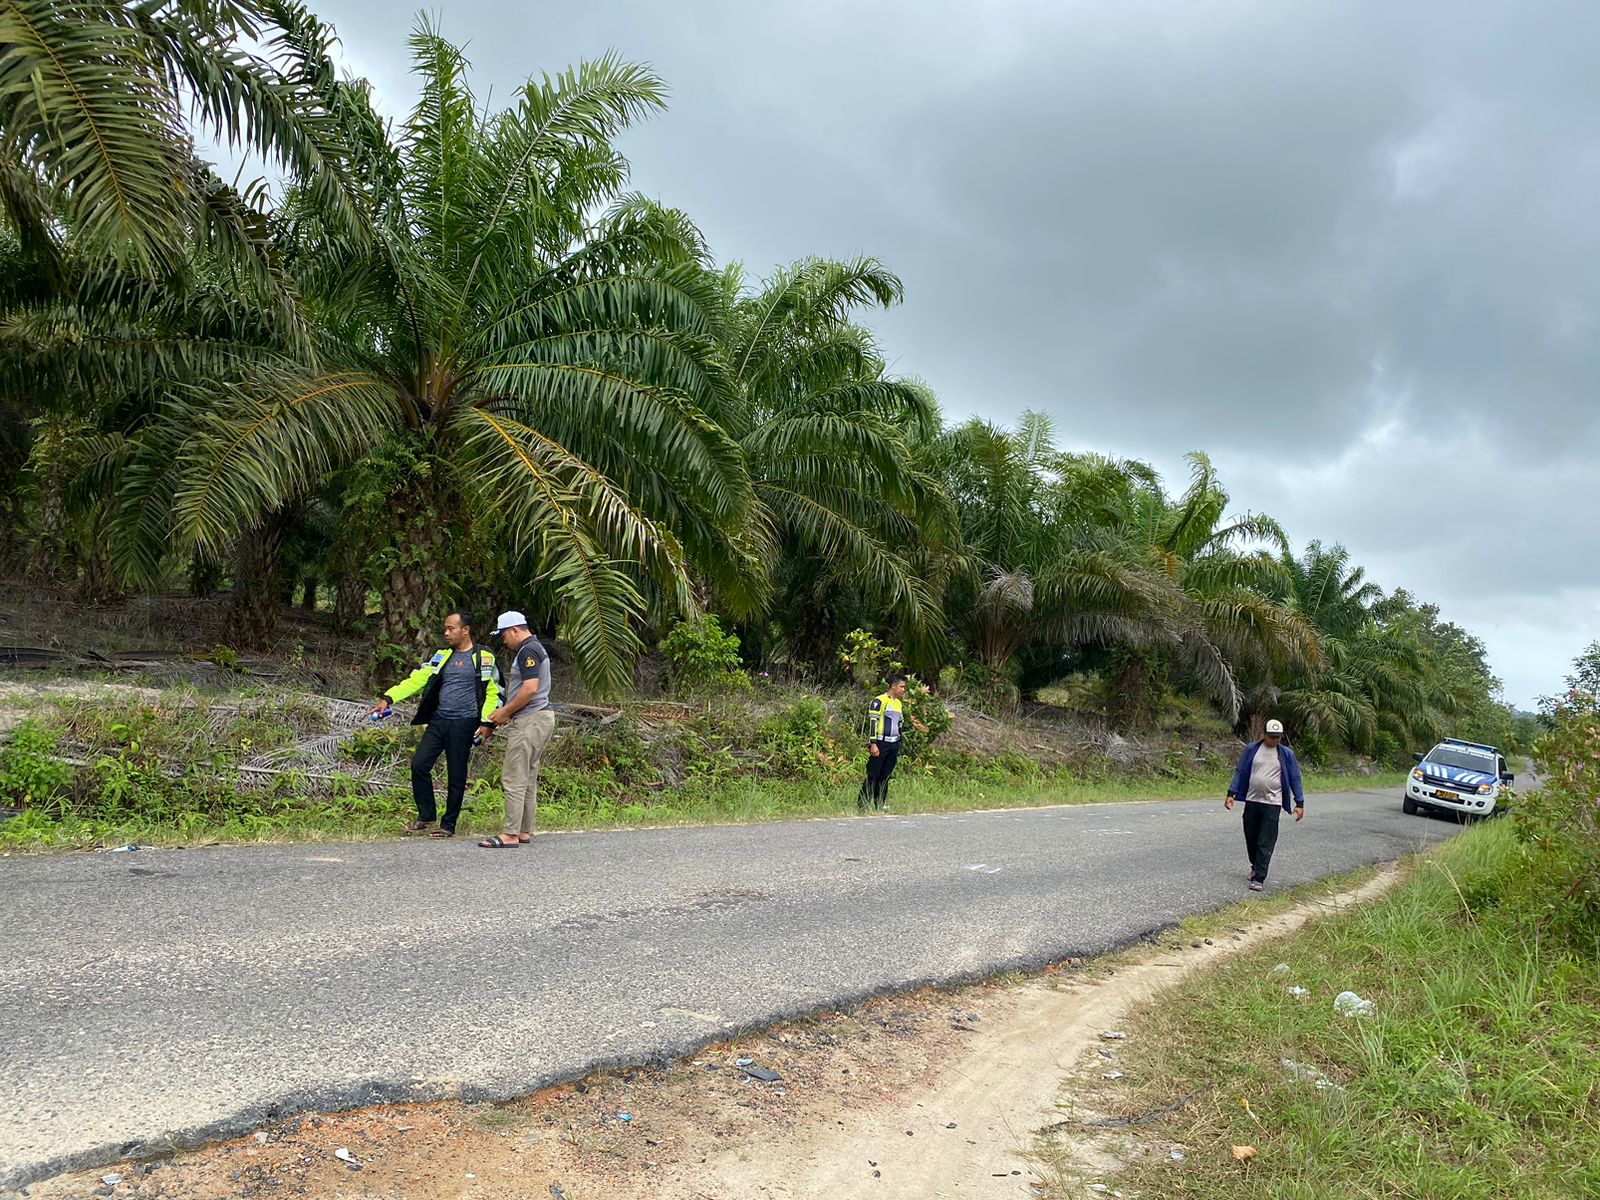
[{"x": 1291, "y": 775}]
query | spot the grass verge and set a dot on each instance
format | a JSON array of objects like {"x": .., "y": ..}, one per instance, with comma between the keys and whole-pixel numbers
[
  {"x": 186, "y": 766},
  {"x": 284, "y": 816},
  {"x": 1474, "y": 1078}
]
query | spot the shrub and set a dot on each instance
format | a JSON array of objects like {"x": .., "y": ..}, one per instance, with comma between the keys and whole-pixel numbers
[
  {"x": 868, "y": 660},
  {"x": 1560, "y": 821},
  {"x": 922, "y": 705},
  {"x": 31, "y": 774},
  {"x": 796, "y": 739},
  {"x": 702, "y": 657}
]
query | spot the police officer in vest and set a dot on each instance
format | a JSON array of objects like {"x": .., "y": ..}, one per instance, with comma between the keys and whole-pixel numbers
[
  {"x": 460, "y": 687},
  {"x": 885, "y": 715}
]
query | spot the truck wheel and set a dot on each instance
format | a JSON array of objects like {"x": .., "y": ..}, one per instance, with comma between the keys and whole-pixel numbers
[{"x": 1408, "y": 806}]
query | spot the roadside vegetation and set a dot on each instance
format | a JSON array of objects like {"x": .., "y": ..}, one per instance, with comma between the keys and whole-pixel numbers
[
  {"x": 451, "y": 359},
  {"x": 183, "y": 766},
  {"x": 1473, "y": 1076}
]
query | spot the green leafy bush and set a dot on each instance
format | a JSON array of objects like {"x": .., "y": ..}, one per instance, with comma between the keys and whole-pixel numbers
[
  {"x": 31, "y": 774},
  {"x": 921, "y": 705},
  {"x": 867, "y": 660},
  {"x": 703, "y": 658},
  {"x": 796, "y": 740},
  {"x": 1560, "y": 821}
]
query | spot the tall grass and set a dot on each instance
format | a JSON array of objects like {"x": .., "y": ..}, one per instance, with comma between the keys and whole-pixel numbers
[{"x": 1475, "y": 1078}]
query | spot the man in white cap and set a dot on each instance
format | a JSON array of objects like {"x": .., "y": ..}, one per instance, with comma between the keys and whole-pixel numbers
[
  {"x": 532, "y": 723},
  {"x": 1267, "y": 779}
]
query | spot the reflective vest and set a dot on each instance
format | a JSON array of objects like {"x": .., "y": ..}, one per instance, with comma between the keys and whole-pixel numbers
[
  {"x": 884, "y": 716},
  {"x": 427, "y": 676}
]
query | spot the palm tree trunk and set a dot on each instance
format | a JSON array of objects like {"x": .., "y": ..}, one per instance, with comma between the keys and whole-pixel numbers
[
  {"x": 98, "y": 583},
  {"x": 252, "y": 620},
  {"x": 350, "y": 600},
  {"x": 1135, "y": 696},
  {"x": 410, "y": 589},
  {"x": 406, "y": 595},
  {"x": 48, "y": 560}
]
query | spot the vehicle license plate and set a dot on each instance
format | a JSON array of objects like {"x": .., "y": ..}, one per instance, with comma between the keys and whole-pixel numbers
[{"x": 1446, "y": 796}]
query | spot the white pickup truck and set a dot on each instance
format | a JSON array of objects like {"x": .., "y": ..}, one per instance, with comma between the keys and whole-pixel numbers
[{"x": 1457, "y": 776}]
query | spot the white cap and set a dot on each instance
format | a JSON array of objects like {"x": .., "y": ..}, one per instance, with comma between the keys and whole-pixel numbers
[
  {"x": 1273, "y": 726},
  {"x": 508, "y": 620}
]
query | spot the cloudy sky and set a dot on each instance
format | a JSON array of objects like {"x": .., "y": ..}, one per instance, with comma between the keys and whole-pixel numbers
[{"x": 1351, "y": 249}]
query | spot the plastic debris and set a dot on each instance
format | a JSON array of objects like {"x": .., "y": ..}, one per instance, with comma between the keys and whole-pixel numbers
[
  {"x": 762, "y": 1074},
  {"x": 1244, "y": 1153},
  {"x": 344, "y": 1156},
  {"x": 1281, "y": 969},
  {"x": 1177, "y": 1156},
  {"x": 624, "y": 1116},
  {"x": 1309, "y": 1074},
  {"x": 1299, "y": 991},
  {"x": 126, "y": 848},
  {"x": 1113, "y": 1035},
  {"x": 743, "y": 1062},
  {"x": 1348, "y": 1004},
  {"x": 263, "y": 1137},
  {"x": 111, "y": 1180},
  {"x": 1111, "y": 1075}
]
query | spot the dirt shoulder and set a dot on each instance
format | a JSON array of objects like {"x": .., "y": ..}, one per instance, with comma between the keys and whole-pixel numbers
[{"x": 938, "y": 1093}]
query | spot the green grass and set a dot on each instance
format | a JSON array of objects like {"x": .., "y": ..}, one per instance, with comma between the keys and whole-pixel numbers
[
  {"x": 1475, "y": 1080},
  {"x": 162, "y": 772},
  {"x": 285, "y": 816}
]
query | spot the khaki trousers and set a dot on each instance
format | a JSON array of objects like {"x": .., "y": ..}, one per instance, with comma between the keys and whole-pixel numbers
[{"x": 519, "y": 773}]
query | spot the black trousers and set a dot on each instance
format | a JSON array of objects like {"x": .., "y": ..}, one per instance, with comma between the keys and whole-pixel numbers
[
  {"x": 453, "y": 739},
  {"x": 1260, "y": 836},
  {"x": 880, "y": 766}
]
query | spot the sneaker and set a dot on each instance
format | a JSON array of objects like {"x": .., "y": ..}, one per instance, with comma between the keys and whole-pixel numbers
[{"x": 1257, "y": 886}]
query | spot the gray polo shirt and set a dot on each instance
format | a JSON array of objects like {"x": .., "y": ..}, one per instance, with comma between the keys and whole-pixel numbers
[
  {"x": 530, "y": 664},
  {"x": 458, "y": 688}
]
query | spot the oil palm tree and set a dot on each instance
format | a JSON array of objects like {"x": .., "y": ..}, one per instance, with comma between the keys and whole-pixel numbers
[
  {"x": 96, "y": 102},
  {"x": 830, "y": 438},
  {"x": 1041, "y": 568},
  {"x": 482, "y": 343},
  {"x": 1374, "y": 689},
  {"x": 1234, "y": 630}
]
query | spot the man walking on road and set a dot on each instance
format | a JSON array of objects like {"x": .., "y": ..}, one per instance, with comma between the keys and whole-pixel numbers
[
  {"x": 460, "y": 688},
  {"x": 1267, "y": 778},
  {"x": 532, "y": 723},
  {"x": 885, "y": 715}
]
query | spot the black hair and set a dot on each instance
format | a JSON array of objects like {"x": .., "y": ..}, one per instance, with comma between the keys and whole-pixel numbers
[
  {"x": 461, "y": 615},
  {"x": 897, "y": 677}
]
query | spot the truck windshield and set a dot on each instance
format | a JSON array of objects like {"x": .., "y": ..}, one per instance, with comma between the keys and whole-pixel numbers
[{"x": 1462, "y": 761}]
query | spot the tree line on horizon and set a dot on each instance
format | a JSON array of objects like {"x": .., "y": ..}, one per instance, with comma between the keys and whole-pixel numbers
[{"x": 455, "y": 356}]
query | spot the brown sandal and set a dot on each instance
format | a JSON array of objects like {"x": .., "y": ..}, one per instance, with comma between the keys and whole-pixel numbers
[
  {"x": 417, "y": 827},
  {"x": 441, "y": 833}
]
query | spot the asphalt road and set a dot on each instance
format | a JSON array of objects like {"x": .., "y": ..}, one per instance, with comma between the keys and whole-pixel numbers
[{"x": 161, "y": 997}]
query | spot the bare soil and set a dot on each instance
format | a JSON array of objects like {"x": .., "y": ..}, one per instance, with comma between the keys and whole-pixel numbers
[{"x": 977, "y": 1091}]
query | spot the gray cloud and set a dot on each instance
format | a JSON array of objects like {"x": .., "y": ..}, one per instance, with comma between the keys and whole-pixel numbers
[{"x": 1348, "y": 247}]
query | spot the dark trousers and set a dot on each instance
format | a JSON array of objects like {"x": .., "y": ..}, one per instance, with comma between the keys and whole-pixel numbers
[
  {"x": 1260, "y": 836},
  {"x": 453, "y": 739},
  {"x": 880, "y": 766}
]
